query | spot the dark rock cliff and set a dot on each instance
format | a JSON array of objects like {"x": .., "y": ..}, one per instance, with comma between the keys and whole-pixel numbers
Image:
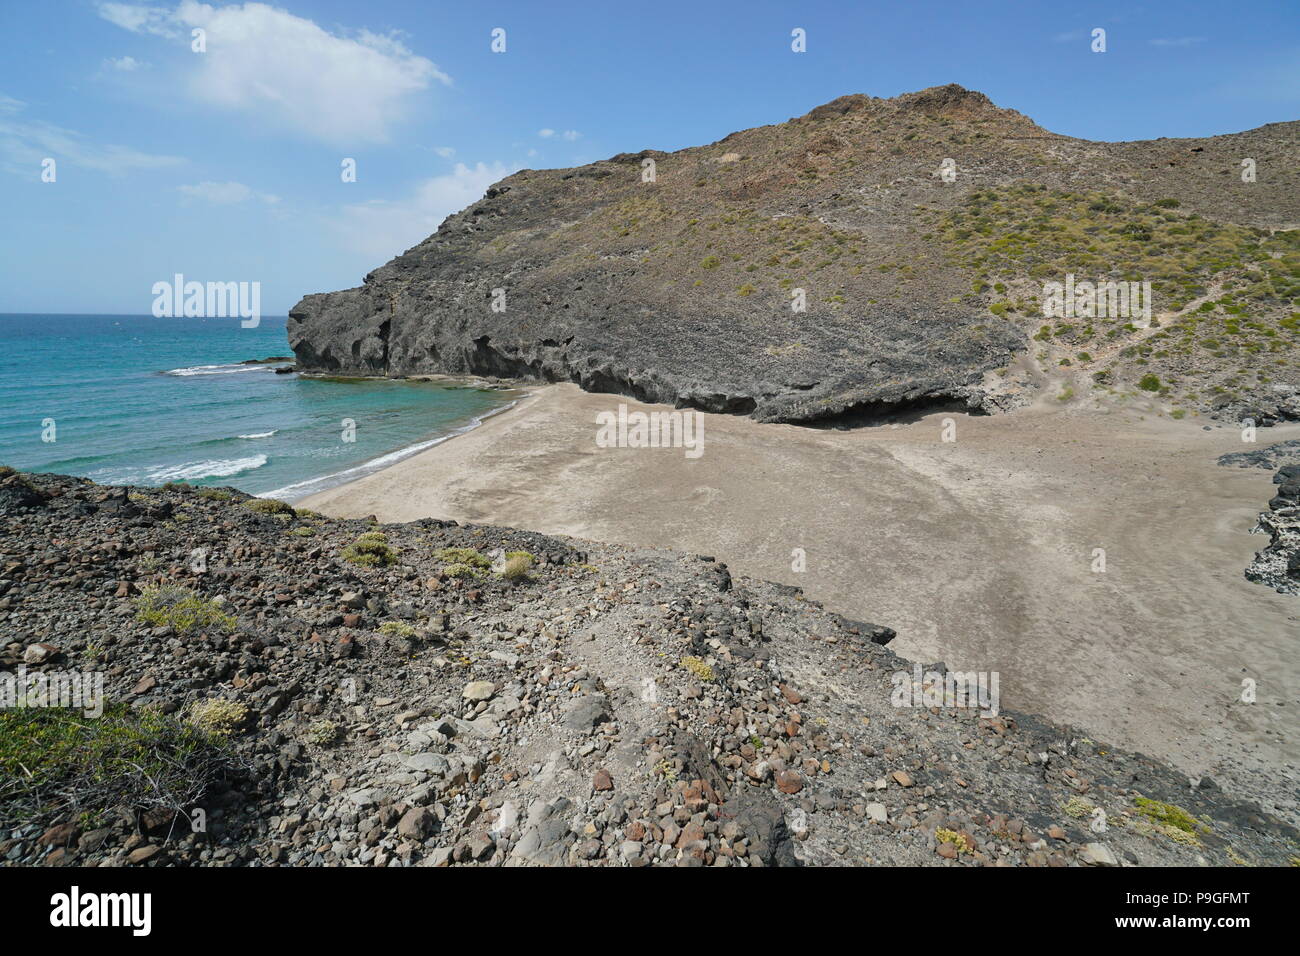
[{"x": 680, "y": 289}]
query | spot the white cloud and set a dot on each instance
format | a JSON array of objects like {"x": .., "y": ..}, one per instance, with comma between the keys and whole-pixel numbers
[
  {"x": 546, "y": 133},
  {"x": 569, "y": 134},
  {"x": 288, "y": 71},
  {"x": 126, "y": 64},
  {"x": 224, "y": 194},
  {"x": 25, "y": 143},
  {"x": 446, "y": 152},
  {"x": 382, "y": 229},
  {"x": 140, "y": 19}
]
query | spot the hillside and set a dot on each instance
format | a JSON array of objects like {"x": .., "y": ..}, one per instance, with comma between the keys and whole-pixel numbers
[
  {"x": 332, "y": 692},
  {"x": 918, "y": 291}
]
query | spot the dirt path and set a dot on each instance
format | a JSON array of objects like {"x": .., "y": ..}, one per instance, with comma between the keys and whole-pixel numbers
[{"x": 979, "y": 552}]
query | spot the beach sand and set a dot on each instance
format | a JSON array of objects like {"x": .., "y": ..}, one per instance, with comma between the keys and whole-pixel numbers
[{"x": 979, "y": 552}]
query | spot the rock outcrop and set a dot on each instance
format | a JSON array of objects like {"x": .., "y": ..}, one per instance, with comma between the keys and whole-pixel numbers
[
  {"x": 870, "y": 255},
  {"x": 1278, "y": 565}
]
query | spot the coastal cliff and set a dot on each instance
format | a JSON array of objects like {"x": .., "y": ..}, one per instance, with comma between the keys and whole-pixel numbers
[{"x": 871, "y": 255}]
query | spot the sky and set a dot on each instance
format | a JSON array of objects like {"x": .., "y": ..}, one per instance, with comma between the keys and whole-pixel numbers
[{"x": 226, "y": 163}]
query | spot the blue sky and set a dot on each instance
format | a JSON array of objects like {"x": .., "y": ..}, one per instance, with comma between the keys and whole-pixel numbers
[{"x": 224, "y": 165}]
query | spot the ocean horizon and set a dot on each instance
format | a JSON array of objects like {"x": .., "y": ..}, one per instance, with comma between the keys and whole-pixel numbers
[{"x": 134, "y": 399}]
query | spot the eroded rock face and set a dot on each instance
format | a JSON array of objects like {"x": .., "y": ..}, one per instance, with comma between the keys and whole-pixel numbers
[
  {"x": 670, "y": 347},
  {"x": 611, "y": 282},
  {"x": 1278, "y": 565},
  {"x": 820, "y": 266}
]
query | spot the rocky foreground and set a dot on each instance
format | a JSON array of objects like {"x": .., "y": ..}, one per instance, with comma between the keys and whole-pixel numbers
[{"x": 433, "y": 694}]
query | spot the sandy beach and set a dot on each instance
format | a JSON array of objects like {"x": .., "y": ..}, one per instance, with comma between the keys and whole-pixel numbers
[{"x": 980, "y": 552}]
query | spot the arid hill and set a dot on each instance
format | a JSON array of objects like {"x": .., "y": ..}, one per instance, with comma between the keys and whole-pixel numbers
[{"x": 921, "y": 231}]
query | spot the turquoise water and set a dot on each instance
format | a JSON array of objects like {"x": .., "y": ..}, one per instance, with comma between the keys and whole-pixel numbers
[{"x": 140, "y": 400}]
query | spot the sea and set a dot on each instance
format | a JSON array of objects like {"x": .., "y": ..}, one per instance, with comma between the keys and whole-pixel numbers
[{"x": 141, "y": 400}]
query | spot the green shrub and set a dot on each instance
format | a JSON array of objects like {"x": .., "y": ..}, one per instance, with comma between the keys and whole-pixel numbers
[
  {"x": 396, "y": 629},
  {"x": 1168, "y": 815},
  {"x": 56, "y": 762},
  {"x": 1149, "y": 383},
  {"x": 518, "y": 564},
  {"x": 459, "y": 569},
  {"x": 710, "y": 262},
  {"x": 214, "y": 494},
  {"x": 268, "y": 506},
  {"x": 698, "y": 667},
  {"x": 464, "y": 556},
  {"x": 323, "y": 732},
  {"x": 216, "y": 716},
  {"x": 371, "y": 550},
  {"x": 956, "y": 839},
  {"x": 180, "y": 609}
]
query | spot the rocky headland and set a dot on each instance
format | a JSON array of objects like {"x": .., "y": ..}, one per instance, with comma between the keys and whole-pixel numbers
[{"x": 870, "y": 256}]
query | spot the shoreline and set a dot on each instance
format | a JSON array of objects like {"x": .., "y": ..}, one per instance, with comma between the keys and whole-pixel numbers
[
  {"x": 379, "y": 463},
  {"x": 979, "y": 553}
]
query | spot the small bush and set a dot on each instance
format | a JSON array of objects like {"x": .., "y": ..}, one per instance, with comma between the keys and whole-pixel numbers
[
  {"x": 216, "y": 716},
  {"x": 518, "y": 564},
  {"x": 956, "y": 839},
  {"x": 710, "y": 262},
  {"x": 1079, "y": 808},
  {"x": 1168, "y": 814},
  {"x": 466, "y": 557},
  {"x": 396, "y": 629},
  {"x": 56, "y": 762},
  {"x": 462, "y": 570},
  {"x": 303, "y": 531},
  {"x": 268, "y": 506},
  {"x": 698, "y": 667},
  {"x": 214, "y": 494},
  {"x": 323, "y": 733},
  {"x": 1149, "y": 383},
  {"x": 180, "y": 609},
  {"x": 371, "y": 550}
]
